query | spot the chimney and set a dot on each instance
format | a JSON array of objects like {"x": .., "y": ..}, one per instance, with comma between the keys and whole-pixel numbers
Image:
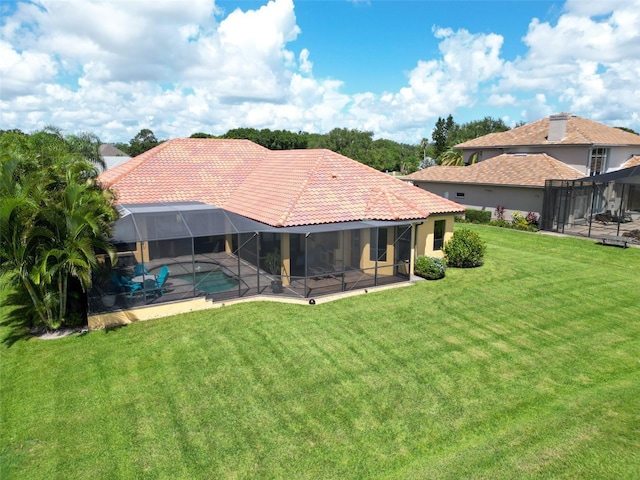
[{"x": 557, "y": 127}]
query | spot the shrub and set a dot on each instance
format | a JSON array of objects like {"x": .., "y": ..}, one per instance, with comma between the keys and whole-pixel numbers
[
  {"x": 499, "y": 212},
  {"x": 518, "y": 221},
  {"x": 477, "y": 216},
  {"x": 465, "y": 249},
  {"x": 429, "y": 267},
  {"x": 500, "y": 223},
  {"x": 532, "y": 219}
]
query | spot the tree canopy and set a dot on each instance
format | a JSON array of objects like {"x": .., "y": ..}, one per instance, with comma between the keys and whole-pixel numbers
[
  {"x": 54, "y": 217},
  {"x": 447, "y": 133}
]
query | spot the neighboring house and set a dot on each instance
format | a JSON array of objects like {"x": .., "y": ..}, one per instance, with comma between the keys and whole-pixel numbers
[
  {"x": 112, "y": 156},
  {"x": 513, "y": 181},
  {"x": 313, "y": 221},
  {"x": 562, "y": 146}
]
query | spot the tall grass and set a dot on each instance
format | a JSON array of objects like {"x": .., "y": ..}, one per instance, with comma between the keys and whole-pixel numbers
[{"x": 527, "y": 367}]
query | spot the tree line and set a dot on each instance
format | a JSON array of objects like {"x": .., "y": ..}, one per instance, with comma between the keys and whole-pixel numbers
[{"x": 381, "y": 154}]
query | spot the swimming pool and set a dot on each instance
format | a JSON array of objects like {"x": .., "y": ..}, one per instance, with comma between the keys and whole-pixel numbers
[
  {"x": 211, "y": 282},
  {"x": 209, "y": 278}
]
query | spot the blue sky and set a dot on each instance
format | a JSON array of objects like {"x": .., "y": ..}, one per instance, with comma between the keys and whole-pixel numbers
[{"x": 393, "y": 67}]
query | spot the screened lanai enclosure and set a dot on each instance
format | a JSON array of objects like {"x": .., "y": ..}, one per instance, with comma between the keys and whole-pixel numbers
[
  {"x": 179, "y": 251},
  {"x": 606, "y": 205}
]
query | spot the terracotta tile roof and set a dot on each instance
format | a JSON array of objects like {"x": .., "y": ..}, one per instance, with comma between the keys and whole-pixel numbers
[
  {"x": 529, "y": 170},
  {"x": 580, "y": 131},
  {"x": 632, "y": 162},
  {"x": 279, "y": 188}
]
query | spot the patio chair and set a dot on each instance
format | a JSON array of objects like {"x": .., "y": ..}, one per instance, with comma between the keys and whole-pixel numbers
[
  {"x": 140, "y": 269},
  {"x": 161, "y": 279},
  {"x": 132, "y": 287}
]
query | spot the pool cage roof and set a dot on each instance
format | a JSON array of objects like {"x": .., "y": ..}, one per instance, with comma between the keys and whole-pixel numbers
[
  {"x": 166, "y": 221},
  {"x": 629, "y": 175}
]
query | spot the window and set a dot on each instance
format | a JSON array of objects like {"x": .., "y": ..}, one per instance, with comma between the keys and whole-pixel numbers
[
  {"x": 598, "y": 161},
  {"x": 379, "y": 240},
  {"x": 438, "y": 234},
  {"x": 460, "y": 194}
]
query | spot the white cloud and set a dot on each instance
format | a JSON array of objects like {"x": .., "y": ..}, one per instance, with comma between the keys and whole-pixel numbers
[
  {"x": 587, "y": 63},
  {"x": 176, "y": 70},
  {"x": 21, "y": 71}
]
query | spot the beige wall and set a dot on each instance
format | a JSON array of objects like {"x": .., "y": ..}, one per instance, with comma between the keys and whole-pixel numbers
[
  {"x": 423, "y": 235},
  {"x": 123, "y": 317},
  {"x": 384, "y": 268}
]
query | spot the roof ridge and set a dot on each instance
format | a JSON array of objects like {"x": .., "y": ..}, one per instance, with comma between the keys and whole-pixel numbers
[
  {"x": 287, "y": 214},
  {"x": 554, "y": 163},
  {"x": 409, "y": 203},
  {"x": 385, "y": 194},
  {"x": 136, "y": 162}
]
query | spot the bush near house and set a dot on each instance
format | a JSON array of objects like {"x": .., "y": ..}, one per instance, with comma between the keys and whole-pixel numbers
[
  {"x": 518, "y": 221},
  {"x": 465, "y": 249},
  {"x": 477, "y": 216},
  {"x": 430, "y": 268}
]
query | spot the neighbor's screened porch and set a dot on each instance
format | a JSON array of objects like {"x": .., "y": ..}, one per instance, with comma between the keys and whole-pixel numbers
[
  {"x": 601, "y": 205},
  {"x": 180, "y": 251}
]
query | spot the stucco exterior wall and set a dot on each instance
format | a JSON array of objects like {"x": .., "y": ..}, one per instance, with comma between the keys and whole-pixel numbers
[
  {"x": 386, "y": 267},
  {"x": 617, "y": 156},
  {"x": 575, "y": 156},
  {"x": 488, "y": 197},
  {"x": 423, "y": 234},
  {"x": 124, "y": 317}
]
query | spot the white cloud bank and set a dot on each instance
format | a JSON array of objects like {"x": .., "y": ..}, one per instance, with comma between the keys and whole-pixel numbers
[{"x": 155, "y": 64}]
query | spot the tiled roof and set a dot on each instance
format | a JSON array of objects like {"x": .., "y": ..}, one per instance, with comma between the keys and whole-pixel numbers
[
  {"x": 279, "y": 188},
  {"x": 632, "y": 162},
  {"x": 529, "y": 170},
  {"x": 580, "y": 131}
]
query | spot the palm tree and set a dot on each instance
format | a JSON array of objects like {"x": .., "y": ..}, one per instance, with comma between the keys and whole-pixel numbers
[
  {"x": 54, "y": 217},
  {"x": 452, "y": 157}
]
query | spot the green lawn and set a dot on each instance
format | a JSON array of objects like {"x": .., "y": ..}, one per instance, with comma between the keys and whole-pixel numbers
[{"x": 528, "y": 367}]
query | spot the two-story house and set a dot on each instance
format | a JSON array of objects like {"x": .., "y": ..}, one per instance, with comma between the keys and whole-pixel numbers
[{"x": 509, "y": 169}]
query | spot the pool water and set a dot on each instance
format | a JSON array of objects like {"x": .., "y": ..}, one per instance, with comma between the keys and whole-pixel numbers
[{"x": 210, "y": 282}]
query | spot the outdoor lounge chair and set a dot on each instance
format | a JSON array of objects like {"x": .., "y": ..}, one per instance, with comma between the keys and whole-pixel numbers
[
  {"x": 140, "y": 269},
  {"x": 160, "y": 281},
  {"x": 132, "y": 287}
]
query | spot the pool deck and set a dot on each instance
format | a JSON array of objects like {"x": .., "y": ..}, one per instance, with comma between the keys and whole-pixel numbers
[{"x": 253, "y": 284}]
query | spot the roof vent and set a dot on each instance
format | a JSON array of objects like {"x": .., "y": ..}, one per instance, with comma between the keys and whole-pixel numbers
[{"x": 558, "y": 127}]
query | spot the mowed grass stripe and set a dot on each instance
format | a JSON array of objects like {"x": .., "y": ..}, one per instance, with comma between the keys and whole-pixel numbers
[{"x": 526, "y": 367}]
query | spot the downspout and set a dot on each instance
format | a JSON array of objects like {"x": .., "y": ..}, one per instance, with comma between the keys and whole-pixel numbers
[
  {"x": 620, "y": 209},
  {"x": 593, "y": 199},
  {"x": 415, "y": 245},
  {"x": 375, "y": 265},
  {"x": 257, "y": 235},
  {"x": 306, "y": 262}
]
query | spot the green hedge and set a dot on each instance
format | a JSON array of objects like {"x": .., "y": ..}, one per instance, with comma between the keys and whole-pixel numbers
[
  {"x": 477, "y": 216},
  {"x": 429, "y": 267},
  {"x": 465, "y": 249}
]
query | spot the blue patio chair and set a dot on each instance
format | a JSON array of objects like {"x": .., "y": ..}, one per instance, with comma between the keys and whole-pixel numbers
[
  {"x": 161, "y": 279},
  {"x": 140, "y": 269},
  {"x": 154, "y": 287},
  {"x": 116, "y": 281},
  {"x": 132, "y": 287}
]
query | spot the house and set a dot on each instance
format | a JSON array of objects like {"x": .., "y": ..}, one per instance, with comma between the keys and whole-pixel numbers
[
  {"x": 514, "y": 181},
  {"x": 562, "y": 146},
  {"x": 231, "y": 219},
  {"x": 111, "y": 155}
]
